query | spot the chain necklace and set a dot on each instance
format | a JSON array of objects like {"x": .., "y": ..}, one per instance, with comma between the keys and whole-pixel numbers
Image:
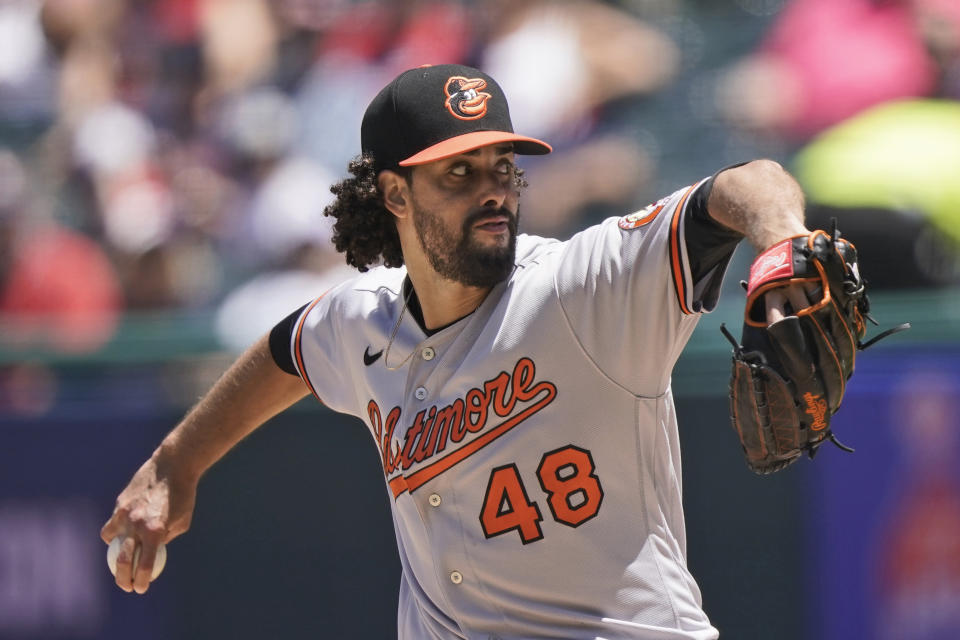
[
  {"x": 396, "y": 328},
  {"x": 393, "y": 335}
]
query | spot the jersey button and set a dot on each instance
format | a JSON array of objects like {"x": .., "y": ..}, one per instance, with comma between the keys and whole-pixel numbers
[
  {"x": 428, "y": 353},
  {"x": 456, "y": 577},
  {"x": 434, "y": 500},
  {"x": 420, "y": 393}
]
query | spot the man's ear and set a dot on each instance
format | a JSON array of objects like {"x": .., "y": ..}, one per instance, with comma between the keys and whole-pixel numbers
[{"x": 395, "y": 190}]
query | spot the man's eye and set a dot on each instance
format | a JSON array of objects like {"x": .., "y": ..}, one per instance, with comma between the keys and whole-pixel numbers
[
  {"x": 505, "y": 168},
  {"x": 459, "y": 170}
]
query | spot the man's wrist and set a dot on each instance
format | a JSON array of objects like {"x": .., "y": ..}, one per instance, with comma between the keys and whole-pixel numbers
[{"x": 171, "y": 461}]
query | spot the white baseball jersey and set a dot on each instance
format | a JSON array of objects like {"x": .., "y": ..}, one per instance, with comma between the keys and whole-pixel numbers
[{"x": 530, "y": 449}]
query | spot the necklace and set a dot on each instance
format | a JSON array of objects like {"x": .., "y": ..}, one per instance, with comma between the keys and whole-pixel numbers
[{"x": 393, "y": 334}]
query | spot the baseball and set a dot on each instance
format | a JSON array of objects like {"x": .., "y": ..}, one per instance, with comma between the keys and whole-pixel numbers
[{"x": 114, "y": 550}]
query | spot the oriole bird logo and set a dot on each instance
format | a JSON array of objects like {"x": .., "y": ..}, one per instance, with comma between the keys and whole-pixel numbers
[{"x": 465, "y": 98}]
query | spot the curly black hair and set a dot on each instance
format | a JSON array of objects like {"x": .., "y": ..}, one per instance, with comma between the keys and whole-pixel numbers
[{"x": 365, "y": 230}]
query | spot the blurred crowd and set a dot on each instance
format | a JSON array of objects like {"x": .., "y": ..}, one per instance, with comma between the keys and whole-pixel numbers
[{"x": 177, "y": 154}]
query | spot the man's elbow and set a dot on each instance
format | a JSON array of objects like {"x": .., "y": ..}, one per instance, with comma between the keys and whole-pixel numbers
[
  {"x": 764, "y": 169},
  {"x": 761, "y": 176}
]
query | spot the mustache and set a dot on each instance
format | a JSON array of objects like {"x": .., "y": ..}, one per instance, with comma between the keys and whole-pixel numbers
[{"x": 488, "y": 212}]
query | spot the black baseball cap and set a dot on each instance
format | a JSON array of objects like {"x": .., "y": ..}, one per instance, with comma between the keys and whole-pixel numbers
[{"x": 435, "y": 112}]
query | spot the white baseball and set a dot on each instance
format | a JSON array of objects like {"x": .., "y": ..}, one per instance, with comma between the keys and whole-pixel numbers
[{"x": 114, "y": 550}]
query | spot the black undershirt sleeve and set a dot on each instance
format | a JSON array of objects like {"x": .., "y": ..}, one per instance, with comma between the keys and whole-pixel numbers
[
  {"x": 280, "y": 342},
  {"x": 708, "y": 242}
]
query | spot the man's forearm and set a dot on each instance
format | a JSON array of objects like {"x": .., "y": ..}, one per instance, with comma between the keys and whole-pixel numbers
[
  {"x": 252, "y": 390},
  {"x": 760, "y": 200}
]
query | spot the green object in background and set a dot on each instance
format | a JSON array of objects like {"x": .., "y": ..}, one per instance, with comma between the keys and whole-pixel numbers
[{"x": 902, "y": 155}]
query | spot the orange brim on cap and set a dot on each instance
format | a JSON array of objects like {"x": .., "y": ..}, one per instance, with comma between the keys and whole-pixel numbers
[{"x": 474, "y": 140}]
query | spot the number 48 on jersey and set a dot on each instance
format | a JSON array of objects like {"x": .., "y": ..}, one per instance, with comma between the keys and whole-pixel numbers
[{"x": 567, "y": 477}]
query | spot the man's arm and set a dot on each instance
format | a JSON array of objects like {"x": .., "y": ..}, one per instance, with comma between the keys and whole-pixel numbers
[
  {"x": 760, "y": 200},
  {"x": 764, "y": 203},
  {"x": 157, "y": 504}
]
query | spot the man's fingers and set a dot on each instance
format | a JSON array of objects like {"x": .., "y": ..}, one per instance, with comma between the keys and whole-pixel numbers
[
  {"x": 797, "y": 295},
  {"x": 788, "y": 300},
  {"x": 114, "y": 527},
  {"x": 775, "y": 301},
  {"x": 124, "y": 577},
  {"x": 144, "y": 569}
]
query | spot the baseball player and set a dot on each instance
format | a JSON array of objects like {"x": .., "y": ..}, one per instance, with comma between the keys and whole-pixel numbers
[{"x": 517, "y": 388}]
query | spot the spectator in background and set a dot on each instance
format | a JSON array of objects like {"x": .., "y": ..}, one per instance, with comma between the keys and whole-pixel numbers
[
  {"x": 917, "y": 555},
  {"x": 27, "y": 74},
  {"x": 891, "y": 177},
  {"x": 824, "y": 61},
  {"x": 283, "y": 231},
  {"x": 360, "y": 48},
  {"x": 112, "y": 147},
  {"x": 163, "y": 199},
  {"x": 58, "y": 290},
  {"x": 562, "y": 63},
  {"x": 240, "y": 39},
  {"x": 848, "y": 85},
  {"x": 938, "y": 22},
  {"x": 191, "y": 142}
]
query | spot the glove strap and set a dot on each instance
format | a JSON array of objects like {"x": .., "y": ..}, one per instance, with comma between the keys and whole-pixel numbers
[
  {"x": 882, "y": 335},
  {"x": 786, "y": 262},
  {"x": 776, "y": 263}
]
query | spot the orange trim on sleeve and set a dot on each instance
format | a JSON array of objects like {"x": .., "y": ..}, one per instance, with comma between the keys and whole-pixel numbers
[
  {"x": 679, "y": 282},
  {"x": 298, "y": 349}
]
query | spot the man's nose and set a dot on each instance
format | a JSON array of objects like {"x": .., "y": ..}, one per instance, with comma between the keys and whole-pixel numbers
[{"x": 496, "y": 188}]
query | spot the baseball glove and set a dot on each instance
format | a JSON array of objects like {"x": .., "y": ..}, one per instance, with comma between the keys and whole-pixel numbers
[{"x": 789, "y": 377}]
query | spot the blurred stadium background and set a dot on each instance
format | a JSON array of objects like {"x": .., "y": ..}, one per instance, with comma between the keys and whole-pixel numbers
[{"x": 163, "y": 169}]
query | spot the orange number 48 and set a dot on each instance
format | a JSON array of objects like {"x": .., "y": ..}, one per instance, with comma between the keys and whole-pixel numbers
[{"x": 566, "y": 475}]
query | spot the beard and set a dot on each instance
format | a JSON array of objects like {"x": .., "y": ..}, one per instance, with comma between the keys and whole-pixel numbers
[{"x": 458, "y": 256}]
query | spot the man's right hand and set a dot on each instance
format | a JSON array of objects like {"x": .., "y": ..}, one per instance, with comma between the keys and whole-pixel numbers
[{"x": 155, "y": 507}]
